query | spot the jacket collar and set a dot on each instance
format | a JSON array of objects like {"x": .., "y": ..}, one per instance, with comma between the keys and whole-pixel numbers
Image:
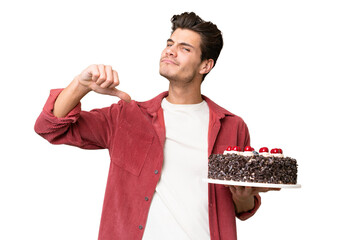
[{"x": 152, "y": 106}]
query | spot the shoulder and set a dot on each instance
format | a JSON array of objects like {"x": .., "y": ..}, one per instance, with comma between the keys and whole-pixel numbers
[
  {"x": 223, "y": 113},
  {"x": 136, "y": 111},
  {"x": 153, "y": 104}
]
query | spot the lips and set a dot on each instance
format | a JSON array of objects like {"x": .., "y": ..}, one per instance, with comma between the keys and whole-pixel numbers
[{"x": 167, "y": 60}]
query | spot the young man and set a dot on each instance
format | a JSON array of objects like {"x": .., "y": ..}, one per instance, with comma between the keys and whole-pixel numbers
[{"x": 157, "y": 191}]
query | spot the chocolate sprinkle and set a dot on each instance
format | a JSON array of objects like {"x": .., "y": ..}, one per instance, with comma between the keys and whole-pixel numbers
[{"x": 257, "y": 168}]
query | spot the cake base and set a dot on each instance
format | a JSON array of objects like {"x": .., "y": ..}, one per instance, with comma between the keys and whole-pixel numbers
[{"x": 251, "y": 184}]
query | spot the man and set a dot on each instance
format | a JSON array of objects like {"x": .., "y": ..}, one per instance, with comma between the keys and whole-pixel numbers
[{"x": 159, "y": 148}]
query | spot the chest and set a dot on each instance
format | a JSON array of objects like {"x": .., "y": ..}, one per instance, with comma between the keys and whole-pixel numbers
[{"x": 187, "y": 128}]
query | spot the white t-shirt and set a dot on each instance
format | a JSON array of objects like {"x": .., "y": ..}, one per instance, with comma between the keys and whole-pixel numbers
[{"x": 179, "y": 208}]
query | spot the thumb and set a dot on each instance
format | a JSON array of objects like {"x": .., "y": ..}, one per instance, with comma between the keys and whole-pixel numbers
[{"x": 122, "y": 95}]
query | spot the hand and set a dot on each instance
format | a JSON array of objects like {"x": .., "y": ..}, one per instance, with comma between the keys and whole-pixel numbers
[
  {"x": 243, "y": 197},
  {"x": 240, "y": 192},
  {"x": 102, "y": 79}
]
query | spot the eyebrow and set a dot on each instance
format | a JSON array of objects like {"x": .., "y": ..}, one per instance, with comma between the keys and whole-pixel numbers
[{"x": 181, "y": 43}]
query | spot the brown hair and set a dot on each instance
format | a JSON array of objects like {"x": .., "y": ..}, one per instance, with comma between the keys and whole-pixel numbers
[{"x": 211, "y": 37}]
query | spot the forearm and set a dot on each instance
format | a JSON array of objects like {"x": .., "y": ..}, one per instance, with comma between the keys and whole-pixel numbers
[{"x": 69, "y": 98}]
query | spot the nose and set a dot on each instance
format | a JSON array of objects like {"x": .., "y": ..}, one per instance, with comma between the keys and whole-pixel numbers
[{"x": 171, "y": 51}]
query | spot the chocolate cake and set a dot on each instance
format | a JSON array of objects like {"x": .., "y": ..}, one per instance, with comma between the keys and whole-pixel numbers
[{"x": 249, "y": 166}]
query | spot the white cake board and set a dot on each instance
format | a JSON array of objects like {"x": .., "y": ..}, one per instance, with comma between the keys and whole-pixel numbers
[{"x": 251, "y": 184}]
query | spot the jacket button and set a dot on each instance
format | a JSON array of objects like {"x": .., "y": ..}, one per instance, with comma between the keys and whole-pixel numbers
[
  {"x": 156, "y": 172},
  {"x": 146, "y": 199},
  {"x": 141, "y": 227}
]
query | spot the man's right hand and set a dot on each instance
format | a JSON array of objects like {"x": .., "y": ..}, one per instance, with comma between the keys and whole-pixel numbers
[
  {"x": 102, "y": 79},
  {"x": 98, "y": 78}
]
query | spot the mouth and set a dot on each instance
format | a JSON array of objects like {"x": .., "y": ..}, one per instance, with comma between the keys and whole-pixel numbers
[{"x": 166, "y": 60}]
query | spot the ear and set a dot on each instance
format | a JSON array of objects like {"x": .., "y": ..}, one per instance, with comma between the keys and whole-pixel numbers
[{"x": 206, "y": 66}]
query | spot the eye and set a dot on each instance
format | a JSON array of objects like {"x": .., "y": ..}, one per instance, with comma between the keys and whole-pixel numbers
[{"x": 187, "y": 49}]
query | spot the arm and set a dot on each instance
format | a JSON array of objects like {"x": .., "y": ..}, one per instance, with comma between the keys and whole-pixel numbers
[
  {"x": 99, "y": 78},
  {"x": 245, "y": 198},
  {"x": 63, "y": 122}
]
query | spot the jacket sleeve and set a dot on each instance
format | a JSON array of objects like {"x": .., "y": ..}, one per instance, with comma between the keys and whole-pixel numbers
[{"x": 88, "y": 130}]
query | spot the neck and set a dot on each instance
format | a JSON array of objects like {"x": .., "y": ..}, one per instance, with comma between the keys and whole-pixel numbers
[{"x": 184, "y": 94}]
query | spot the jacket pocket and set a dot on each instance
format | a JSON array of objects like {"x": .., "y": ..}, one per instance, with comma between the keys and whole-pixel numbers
[{"x": 130, "y": 147}]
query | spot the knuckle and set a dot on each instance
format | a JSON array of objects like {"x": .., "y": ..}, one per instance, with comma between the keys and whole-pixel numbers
[{"x": 108, "y": 82}]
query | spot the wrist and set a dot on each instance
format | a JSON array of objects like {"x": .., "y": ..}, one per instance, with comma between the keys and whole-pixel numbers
[
  {"x": 79, "y": 88},
  {"x": 244, "y": 204},
  {"x": 69, "y": 98}
]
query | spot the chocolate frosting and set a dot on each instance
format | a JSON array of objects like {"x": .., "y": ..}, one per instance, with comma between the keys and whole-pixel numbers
[{"x": 256, "y": 168}]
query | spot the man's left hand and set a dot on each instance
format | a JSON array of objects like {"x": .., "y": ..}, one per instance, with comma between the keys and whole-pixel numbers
[{"x": 243, "y": 197}]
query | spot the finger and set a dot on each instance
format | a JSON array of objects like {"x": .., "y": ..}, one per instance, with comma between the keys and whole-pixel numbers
[
  {"x": 248, "y": 190},
  {"x": 234, "y": 191},
  {"x": 93, "y": 73},
  {"x": 238, "y": 190},
  {"x": 90, "y": 73},
  {"x": 109, "y": 77},
  {"x": 231, "y": 188},
  {"x": 123, "y": 96},
  {"x": 120, "y": 94},
  {"x": 244, "y": 190},
  {"x": 116, "y": 79},
  {"x": 102, "y": 74},
  {"x": 272, "y": 189},
  {"x": 259, "y": 189}
]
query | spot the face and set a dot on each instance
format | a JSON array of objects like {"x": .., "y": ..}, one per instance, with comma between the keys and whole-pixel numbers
[{"x": 181, "y": 59}]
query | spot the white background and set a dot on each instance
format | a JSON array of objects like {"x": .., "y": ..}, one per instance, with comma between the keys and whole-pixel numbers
[{"x": 289, "y": 68}]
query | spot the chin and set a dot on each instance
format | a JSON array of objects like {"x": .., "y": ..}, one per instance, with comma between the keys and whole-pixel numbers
[{"x": 166, "y": 74}]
